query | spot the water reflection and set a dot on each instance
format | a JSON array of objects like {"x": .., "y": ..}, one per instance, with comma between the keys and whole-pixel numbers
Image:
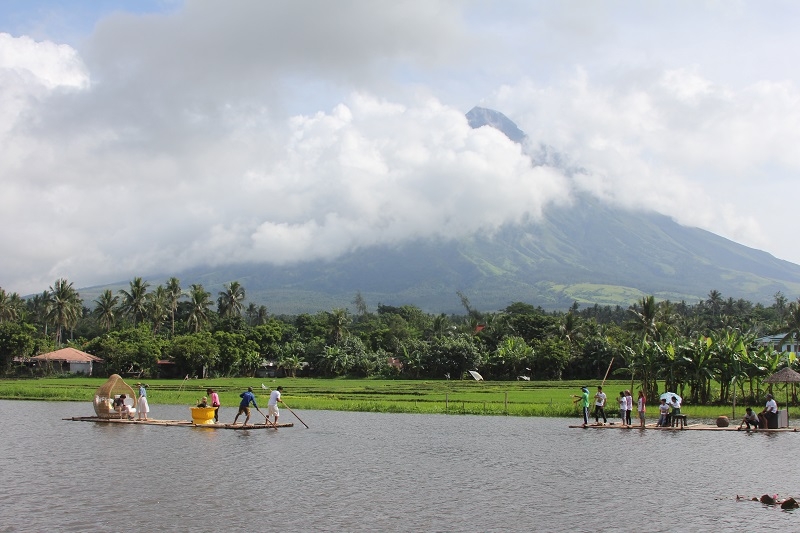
[{"x": 370, "y": 472}]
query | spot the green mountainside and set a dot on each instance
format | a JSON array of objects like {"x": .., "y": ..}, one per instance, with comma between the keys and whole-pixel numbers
[{"x": 589, "y": 253}]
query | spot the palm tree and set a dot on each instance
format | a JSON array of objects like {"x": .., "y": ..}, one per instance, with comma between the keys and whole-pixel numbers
[
  {"x": 337, "y": 324},
  {"x": 792, "y": 324},
  {"x": 199, "y": 305},
  {"x": 229, "y": 303},
  {"x": 361, "y": 305},
  {"x": 10, "y": 306},
  {"x": 134, "y": 302},
  {"x": 645, "y": 318},
  {"x": 780, "y": 304},
  {"x": 106, "y": 308},
  {"x": 174, "y": 294},
  {"x": 39, "y": 307},
  {"x": 261, "y": 316},
  {"x": 66, "y": 307},
  {"x": 250, "y": 313},
  {"x": 158, "y": 307},
  {"x": 440, "y": 326},
  {"x": 569, "y": 329}
]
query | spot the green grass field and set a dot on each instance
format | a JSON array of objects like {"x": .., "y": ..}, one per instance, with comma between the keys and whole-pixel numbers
[{"x": 516, "y": 398}]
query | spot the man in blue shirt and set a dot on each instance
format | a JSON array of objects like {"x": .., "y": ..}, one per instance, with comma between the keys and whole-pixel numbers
[{"x": 244, "y": 406}]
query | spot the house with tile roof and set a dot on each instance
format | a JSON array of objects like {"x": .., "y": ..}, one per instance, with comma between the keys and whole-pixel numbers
[{"x": 69, "y": 360}]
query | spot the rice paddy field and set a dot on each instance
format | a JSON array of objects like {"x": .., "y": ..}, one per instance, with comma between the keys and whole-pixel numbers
[{"x": 514, "y": 398}]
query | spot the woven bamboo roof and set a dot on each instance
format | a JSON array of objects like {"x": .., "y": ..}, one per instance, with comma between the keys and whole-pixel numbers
[{"x": 784, "y": 375}]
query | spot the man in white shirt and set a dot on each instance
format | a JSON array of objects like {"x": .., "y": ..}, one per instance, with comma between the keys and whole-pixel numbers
[
  {"x": 272, "y": 406},
  {"x": 599, "y": 405},
  {"x": 770, "y": 412}
]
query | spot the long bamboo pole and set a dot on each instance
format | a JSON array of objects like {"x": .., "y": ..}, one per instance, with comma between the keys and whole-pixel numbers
[
  {"x": 295, "y": 415},
  {"x": 607, "y": 371}
]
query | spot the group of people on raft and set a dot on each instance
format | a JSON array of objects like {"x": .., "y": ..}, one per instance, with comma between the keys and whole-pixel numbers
[
  {"x": 248, "y": 397},
  {"x": 669, "y": 407},
  {"x": 625, "y": 407},
  {"x": 766, "y": 419}
]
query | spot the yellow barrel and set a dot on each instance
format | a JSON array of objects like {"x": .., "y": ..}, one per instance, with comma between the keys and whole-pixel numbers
[{"x": 203, "y": 415}]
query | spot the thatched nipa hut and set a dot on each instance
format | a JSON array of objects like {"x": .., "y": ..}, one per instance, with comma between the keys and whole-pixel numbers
[
  {"x": 788, "y": 376},
  {"x": 110, "y": 390}
]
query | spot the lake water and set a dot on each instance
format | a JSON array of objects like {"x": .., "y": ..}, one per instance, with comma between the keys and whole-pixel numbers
[{"x": 383, "y": 472}]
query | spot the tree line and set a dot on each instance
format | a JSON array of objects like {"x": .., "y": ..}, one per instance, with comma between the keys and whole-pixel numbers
[{"x": 705, "y": 351}]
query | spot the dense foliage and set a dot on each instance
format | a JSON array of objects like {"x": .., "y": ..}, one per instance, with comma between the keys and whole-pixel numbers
[{"x": 689, "y": 347}]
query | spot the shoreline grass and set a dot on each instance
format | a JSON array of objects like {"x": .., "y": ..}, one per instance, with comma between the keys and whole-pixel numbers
[{"x": 494, "y": 398}]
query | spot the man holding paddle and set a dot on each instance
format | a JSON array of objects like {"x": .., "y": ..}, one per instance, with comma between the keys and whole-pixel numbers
[
  {"x": 244, "y": 406},
  {"x": 272, "y": 406}
]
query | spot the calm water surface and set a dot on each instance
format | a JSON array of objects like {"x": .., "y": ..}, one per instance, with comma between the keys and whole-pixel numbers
[{"x": 382, "y": 472}]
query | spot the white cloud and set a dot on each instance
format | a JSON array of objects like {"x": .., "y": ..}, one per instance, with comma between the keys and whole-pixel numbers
[{"x": 283, "y": 131}]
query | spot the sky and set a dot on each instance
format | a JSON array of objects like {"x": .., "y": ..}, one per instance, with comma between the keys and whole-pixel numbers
[{"x": 151, "y": 136}]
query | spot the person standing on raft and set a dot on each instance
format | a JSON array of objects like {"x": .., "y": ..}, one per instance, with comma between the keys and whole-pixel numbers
[
  {"x": 641, "y": 407},
  {"x": 599, "y": 405},
  {"x": 144, "y": 407},
  {"x": 244, "y": 406},
  {"x": 212, "y": 394},
  {"x": 272, "y": 406},
  {"x": 584, "y": 403}
]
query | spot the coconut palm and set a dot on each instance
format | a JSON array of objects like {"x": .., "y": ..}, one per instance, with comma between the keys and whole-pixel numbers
[
  {"x": 10, "y": 306},
  {"x": 106, "y": 308},
  {"x": 134, "y": 301},
  {"x": 780, "y": 304},
  {"x": 715, "y": 302},
  {"x": 174, "y": 294},
  {"x": 66, "y": 307},
  {"x": 645, "y": 319},
  {"x": 39, "y": 307},
  {"x": 338, "y": 319},
  {"x": 229, "y": 303},
  {"x": 158, "y": 307},
  {"x": 792, "y": 325},
  {"x": 199, "y": 306},
  {"x": 440, "y": 326}
]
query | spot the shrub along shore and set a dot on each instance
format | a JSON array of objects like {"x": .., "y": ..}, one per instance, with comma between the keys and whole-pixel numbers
[{"x": 514, "y": 398}]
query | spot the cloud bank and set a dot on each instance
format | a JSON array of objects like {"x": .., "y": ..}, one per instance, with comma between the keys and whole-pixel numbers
[{"x": 282, "y": 132}]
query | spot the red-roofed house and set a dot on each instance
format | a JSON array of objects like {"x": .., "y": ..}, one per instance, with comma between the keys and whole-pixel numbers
[{"x": 69, "y": 360}]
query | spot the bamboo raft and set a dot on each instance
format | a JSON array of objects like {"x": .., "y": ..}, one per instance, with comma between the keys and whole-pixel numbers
[
  {"x": 687, "y": 427},
  {"x": 182, "y": 423}
]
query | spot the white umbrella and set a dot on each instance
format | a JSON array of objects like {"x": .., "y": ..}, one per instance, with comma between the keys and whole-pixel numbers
[
  {"x": 668, "y": 396},
  {"x": 475, "y": 375}
]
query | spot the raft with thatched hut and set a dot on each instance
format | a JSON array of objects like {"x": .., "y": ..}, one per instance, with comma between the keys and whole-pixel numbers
[{"x": 107, "y": 411}]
